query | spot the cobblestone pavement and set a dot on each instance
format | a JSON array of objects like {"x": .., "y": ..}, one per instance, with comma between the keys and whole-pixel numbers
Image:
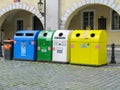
[{"x": 27, "y": 75}]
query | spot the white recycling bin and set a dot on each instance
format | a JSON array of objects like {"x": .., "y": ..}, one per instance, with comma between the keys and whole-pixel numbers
[{"x": 61, "y": 46}]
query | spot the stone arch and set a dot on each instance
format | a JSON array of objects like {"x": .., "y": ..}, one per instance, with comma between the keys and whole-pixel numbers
[
  {"x": 22, "y": 6},
  {"x": 77, "y": 5}
]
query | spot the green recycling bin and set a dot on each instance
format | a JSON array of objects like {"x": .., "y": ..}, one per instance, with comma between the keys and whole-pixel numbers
[{"x": 44, "y": 49}]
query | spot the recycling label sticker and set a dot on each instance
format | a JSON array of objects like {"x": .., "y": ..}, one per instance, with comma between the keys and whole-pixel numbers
[
  {"x": 59, "y": 50},
  {"x": 23, "y": 49},
  {"x": 84, "y": 45}
]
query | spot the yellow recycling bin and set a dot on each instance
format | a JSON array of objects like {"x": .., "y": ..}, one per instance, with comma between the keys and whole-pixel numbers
[
  {"x": 91, "y": 48},
  {"x": 75, "y": 38}
]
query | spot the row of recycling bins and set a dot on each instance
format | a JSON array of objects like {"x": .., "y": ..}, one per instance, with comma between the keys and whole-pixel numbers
[{"x": 87, "y": 47}]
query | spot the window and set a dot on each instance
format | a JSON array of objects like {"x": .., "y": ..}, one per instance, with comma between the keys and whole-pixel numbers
[
  {"x": 115, "y": 21},
  {"x": 19, "y": 24},
  {"x": 88, "y": 19}
]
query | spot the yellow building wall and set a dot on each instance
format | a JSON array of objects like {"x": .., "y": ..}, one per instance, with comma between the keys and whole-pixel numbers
[
  {"x": 114, "y": 37},
  {"x": 65, "y": 4},
  {"x": 9, "y": 25},
  {"x": 5, "y": 3},
  {"x": 100, "y": 10},
  {"x": 117, "y": 1}
]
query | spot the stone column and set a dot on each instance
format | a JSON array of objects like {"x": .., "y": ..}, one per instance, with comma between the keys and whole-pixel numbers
[{"x": 52, "y": 14}]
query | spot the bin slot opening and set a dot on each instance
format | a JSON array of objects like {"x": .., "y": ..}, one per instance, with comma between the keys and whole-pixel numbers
[
  {"x": 78, "y": 34},
  {"x": 92, "y": 35},
  {"x": 45, "y": 34},
  {"x": 29, "y": 34},
  {"x": 19, "y": 34},
  {"x": 60, "y": 34}
]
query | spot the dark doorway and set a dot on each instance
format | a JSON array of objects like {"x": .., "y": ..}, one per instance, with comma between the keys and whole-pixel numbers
[
  {"x": 20, "y": 24},
  {"x": 37, "y": 25},
  {"x": 102, "y": 23}
]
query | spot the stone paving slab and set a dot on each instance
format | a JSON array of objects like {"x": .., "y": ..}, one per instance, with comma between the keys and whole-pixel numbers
[{"x": 27, "y": 75}]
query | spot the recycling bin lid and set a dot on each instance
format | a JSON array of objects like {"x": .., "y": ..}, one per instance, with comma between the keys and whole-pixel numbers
[
  {"x": 61, "y": 34},
  {"x": 94, "y": 36},
  {"x": 46, "y": 35},
  {"x": 76, "y": 35},
  {"x": 8, "y": 40},
  {"x": 28, "y": 34}
]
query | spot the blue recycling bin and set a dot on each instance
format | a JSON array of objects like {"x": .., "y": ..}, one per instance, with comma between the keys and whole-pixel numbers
[{"x": 25, "y": 45}]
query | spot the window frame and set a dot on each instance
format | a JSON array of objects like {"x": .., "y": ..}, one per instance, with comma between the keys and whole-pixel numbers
[
  {"x": 113, "y": 30},
  {"x": 91, "y": 10}
]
